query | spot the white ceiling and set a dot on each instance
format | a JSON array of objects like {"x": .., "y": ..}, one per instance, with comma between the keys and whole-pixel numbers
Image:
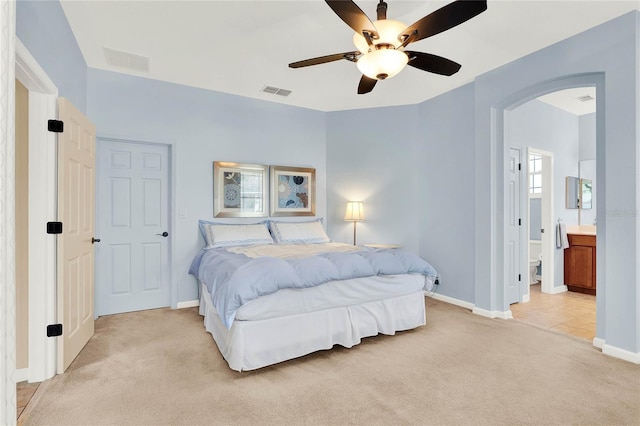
[
  {"x": 240, "y": 46},
  {"x": 578, "y": 101}
]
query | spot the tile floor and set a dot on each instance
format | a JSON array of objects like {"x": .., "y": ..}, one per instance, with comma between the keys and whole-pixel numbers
[
  {"x": 570, "y": 312},
  {"x": 24, "y": 392}
]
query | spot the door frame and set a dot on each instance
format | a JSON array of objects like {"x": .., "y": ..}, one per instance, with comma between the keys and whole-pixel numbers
[
  {"x": 171, "y": 217},
  {"x": 7, "y": 215},
  {"x": 43, "y": 95}
]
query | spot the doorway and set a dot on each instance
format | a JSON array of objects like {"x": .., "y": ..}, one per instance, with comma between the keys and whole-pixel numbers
[{"x": 559, "y": 132}]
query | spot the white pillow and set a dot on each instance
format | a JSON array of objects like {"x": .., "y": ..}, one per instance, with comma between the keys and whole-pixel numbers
[
  {"x": 299, "y": 232},
  {"x": 223, "y": 234}
]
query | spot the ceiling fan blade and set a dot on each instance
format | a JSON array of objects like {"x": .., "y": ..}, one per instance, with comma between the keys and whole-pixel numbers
[
  {"x": 432, "y": 63},
  {"x": 444, "y": 18},
  {"x": 353, "y": 16},
  {"x": 350, "y": 56},
  {"x": 366, "y": 84}
]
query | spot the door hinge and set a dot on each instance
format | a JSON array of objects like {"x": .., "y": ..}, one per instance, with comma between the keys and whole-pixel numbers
[
  {"x": 54, "y": 227},
  {"x": 55, "y": 126},
  {"x": 519, "y": 277},
  {"x": 519, "y": 166},
  {"x": 54, "y": 330},
  {"x": 520, "y": 222}
]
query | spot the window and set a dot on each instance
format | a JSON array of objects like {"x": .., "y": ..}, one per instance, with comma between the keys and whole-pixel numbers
[{"x": 535, "y": 174}]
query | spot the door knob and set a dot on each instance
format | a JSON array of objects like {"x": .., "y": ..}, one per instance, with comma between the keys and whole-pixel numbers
[
  {"x": 164, "y": 234},
  {"x": 95, "y": 240}
]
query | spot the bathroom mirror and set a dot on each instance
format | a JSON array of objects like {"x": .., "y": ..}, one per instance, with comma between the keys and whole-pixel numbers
[
  {"x": 572, "y": 192},
  {"x": 586, "y": 188}
]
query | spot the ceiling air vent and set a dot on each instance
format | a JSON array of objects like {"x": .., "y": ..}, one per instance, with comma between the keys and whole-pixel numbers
[
  {"x": 276, "y": 91},
  {"x": 121, "y": 59},
  {"x": 585, "y": 98}
]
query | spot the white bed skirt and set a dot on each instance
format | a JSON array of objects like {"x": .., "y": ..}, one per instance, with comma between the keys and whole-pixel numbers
[{"x": 249, "y": 345}]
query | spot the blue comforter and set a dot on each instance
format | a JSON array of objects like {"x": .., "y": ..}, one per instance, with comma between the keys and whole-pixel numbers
[{"x": 235, "y": 279}]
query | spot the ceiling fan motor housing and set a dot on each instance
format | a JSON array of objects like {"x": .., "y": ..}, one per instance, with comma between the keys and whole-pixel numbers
[{"x": 381, "y": 10}]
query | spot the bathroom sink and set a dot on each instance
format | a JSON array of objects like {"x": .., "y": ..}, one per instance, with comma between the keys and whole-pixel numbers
[{"x": 581, "y": 229}]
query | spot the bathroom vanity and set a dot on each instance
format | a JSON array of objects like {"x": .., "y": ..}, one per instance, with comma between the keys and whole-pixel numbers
[{"x": 580, "y": 261}]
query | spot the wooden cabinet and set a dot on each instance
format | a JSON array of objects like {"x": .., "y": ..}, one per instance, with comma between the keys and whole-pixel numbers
[{"x": 580, "y": 264}]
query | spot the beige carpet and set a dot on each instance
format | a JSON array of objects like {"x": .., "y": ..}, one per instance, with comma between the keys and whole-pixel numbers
[{"x": 161, "y": 367}]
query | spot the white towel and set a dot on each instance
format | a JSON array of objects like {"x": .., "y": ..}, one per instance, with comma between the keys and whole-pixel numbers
[{"x": 562, "y": 241}]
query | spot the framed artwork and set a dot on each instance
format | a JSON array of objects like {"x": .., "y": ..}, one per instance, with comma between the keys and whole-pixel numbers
[
  {"x": 293, "y": 191},
  {"x": 239, "y": 190}
]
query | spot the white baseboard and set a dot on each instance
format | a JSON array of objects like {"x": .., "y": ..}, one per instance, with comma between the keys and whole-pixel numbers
[
  {"x": 451, "y": 300},
  {"x": 559, "y": 289},
  {"x": 492, "y": 314},
  {"x": 21, "y": 375},
  {"x": 188, "y": 304},
  {"x": 598, "y": 342},
  {"x": 622, "y": 354},
  {"x": 526, "y": 298}
]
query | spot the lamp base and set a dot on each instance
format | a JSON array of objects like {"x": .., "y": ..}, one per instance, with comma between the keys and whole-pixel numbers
[{"x": 354, "y": 232}]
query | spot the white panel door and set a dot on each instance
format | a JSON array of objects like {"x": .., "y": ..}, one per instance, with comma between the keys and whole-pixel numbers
[
  {"x": 132, "y": 257},
  {"x": 514, "y": 275},
  {"x": 76, "y": 203}
]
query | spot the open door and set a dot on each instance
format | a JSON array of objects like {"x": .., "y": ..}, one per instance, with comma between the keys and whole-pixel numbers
[
  {"x": 76, "y": 211},
  {"x": 514, "y": 221}
]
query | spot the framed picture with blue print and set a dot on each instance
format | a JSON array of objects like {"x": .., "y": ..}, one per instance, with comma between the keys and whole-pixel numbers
[
  {"x": 239, "y": 190},
  {"x": 293, "y": 191}
]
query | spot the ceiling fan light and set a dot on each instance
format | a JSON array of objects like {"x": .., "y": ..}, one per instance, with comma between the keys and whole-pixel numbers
[
  {"x": 388, "y": 31},
  {"x": 382, "y": 64}
]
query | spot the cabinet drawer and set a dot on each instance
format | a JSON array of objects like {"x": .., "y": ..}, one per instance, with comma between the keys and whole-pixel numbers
[{"x": 582, "y": 240}]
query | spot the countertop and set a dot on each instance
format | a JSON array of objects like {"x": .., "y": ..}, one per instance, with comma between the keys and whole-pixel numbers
[{"x": 581, "y": 229}]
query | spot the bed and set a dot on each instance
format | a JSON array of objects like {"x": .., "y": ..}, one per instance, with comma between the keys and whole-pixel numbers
[{"x": 274, "y": 291}]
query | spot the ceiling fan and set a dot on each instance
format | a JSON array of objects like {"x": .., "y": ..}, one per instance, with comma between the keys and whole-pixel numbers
[{"x": 381, "y": 44}]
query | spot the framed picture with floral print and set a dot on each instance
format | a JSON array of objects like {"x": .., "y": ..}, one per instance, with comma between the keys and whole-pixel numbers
[
  {"x": 293, "y": 191},
  {"x": 239, "y": 190}
]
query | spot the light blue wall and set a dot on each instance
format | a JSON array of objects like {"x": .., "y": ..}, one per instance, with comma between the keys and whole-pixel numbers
[
  {"x": 446, "y": 169},
  {"x": 205, "y": 126},
  {"x": 587, "y": 136},
  {"x": 588, "y": 164},
  {"x": 610, "y": 52},
  {"x": 369, "y": 160},
  {"x": 536, "y": 124},
  {"x": 535, "y": 219},
  {"x": 413, "y": 166},
  {"x": 43, "y": 28}
]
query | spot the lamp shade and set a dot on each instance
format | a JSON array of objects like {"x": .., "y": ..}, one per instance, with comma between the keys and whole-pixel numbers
[
  {"x": 388, "y": 31},
  {"x": 382, "y": 64},
  {"x": 355, "y": 211}
]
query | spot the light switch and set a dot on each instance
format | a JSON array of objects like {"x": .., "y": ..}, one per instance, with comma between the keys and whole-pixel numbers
[{"x": 182, "y": 212}]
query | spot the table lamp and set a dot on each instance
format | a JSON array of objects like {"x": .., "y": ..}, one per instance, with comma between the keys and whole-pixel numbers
[{"x": 355, "y": 213}]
